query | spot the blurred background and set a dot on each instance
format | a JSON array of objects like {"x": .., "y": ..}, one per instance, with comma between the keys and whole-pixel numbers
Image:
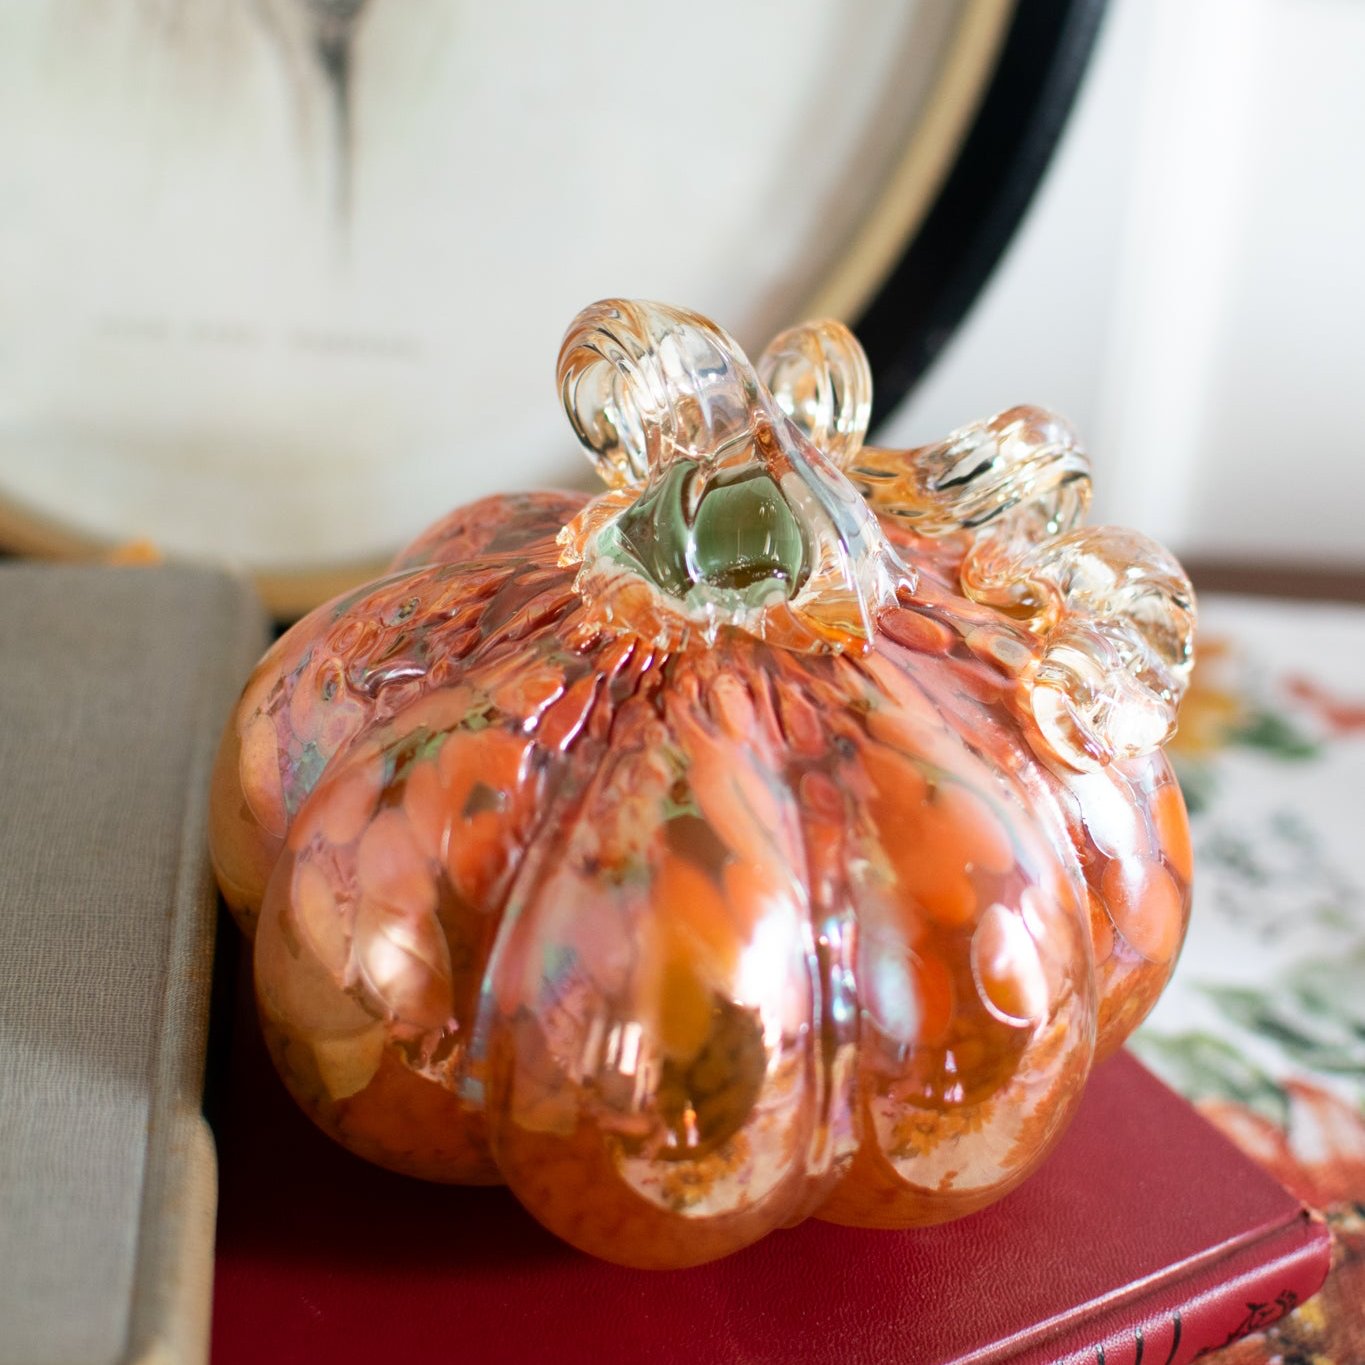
[
  {"x": 282, "y": 280},
  {"x": 1189, "y": 283}
]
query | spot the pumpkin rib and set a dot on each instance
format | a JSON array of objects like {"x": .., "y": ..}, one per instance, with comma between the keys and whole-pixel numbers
[
  {"x": 830, "y": 922},
  {"x": 1128, "y": 979},
  {"x": 821, "y": 806},
  {"x": 352, "y": 1117},
  {"x": 916, "y": 965},
  {"x": 673, "y": 1200},
  {"x": 740, "y": 669},
  {"x": 556, "y": 813},
  {"x": 1146, "y": 906},
  {"x": 549, "y": 813},
  {"x": 243, "y": 845}
]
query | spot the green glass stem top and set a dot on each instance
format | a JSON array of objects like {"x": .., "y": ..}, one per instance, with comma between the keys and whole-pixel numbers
[{"x": 733, "y": 531}]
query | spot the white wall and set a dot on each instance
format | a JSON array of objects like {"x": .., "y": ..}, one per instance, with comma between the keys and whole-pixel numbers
[{"x": 1189, "y": 286}]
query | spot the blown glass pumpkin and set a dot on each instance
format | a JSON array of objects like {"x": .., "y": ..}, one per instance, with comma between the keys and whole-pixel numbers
[{"x": 783, "y": 831}]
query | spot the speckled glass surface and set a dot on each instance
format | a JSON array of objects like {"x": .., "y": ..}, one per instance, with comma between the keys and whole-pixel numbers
[{"x": 784, "y": 831}]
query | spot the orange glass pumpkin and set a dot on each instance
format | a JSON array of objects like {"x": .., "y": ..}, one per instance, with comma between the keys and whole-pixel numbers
[{"x": 782, "y": 832}]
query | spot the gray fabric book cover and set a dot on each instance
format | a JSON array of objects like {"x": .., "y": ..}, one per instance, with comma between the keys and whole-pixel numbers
[{"x": 114, "y": 684}]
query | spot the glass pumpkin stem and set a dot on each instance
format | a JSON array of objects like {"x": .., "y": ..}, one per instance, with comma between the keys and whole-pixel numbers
[
  {"x": 743, "y": 497},
  {"x": 727, "y": 507}
]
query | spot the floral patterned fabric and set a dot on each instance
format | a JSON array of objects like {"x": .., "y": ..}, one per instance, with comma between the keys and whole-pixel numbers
[{"x": 1264, "y": 1024}]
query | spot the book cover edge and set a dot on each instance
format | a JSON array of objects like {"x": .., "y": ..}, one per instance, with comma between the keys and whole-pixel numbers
[{"x": 170, "y": 1320}]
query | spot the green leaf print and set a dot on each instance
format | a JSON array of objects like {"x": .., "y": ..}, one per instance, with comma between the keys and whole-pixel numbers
[
  {"x": 1315, "y": 1015},
  {"x": 1204, "y": 1067},
  {"x": 1274, "y": 734}
]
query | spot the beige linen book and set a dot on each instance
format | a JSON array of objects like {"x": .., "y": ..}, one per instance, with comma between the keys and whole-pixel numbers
[{"x": 113, "y": 686}]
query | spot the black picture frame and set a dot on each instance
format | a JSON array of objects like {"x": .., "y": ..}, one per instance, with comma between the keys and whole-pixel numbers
[{"x": 946, "y": 264}]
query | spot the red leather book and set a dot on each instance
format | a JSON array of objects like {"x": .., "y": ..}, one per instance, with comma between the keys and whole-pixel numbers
[{"x": 1146, "y": 1239}]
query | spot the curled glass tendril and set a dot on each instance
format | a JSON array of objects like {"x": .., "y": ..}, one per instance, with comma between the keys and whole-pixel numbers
[{"x": 743, "y": 496}]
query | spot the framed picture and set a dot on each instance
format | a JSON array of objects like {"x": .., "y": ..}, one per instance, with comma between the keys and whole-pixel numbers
[{"x": 281, "y": 280}]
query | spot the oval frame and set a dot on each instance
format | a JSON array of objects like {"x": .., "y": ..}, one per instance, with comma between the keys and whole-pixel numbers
[{"x": 912, "y": 271}]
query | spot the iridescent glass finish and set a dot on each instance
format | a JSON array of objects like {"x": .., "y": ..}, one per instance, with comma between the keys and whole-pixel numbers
[{"x": 783, "y": 831}]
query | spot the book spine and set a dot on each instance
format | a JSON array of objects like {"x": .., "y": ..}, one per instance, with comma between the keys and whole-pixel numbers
[{"x": 1195, "y": 1315}]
